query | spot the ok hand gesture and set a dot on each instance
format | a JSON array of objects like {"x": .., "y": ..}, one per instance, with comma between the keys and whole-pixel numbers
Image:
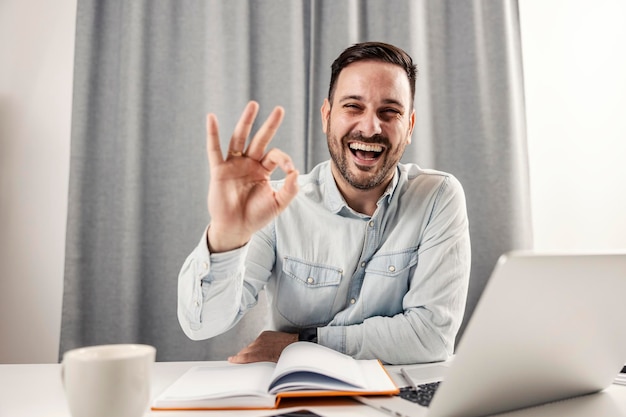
[{"x": 241, "y": 200}]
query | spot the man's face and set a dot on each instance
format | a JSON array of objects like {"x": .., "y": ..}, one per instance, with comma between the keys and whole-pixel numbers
[{"x": 369, "y": 122}]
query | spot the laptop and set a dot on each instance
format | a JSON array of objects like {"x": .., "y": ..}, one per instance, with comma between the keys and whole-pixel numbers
[{"x": 547, "y": 327}]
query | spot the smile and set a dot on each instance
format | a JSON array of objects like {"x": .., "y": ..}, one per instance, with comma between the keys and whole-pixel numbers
[{"x": 366, "y": 151}]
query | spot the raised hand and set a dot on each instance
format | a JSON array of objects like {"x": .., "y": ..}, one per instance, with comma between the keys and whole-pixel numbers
[{"x": 241, "y": 200}]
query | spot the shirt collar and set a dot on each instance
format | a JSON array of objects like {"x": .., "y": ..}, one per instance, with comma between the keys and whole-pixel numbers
[{"x": 334, "y": 201}]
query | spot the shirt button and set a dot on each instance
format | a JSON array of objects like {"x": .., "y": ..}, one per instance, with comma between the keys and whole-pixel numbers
[
  {"x": 352, "y": 300},
  {"x": 205, "y": 265},
  {"x": 362, "y": 264},
  {"x": 310, "y": 280},
  {"x": 392, "y": 268},
  {"x": 197, "y": 303},
  {"x": 371, "y": 223}
]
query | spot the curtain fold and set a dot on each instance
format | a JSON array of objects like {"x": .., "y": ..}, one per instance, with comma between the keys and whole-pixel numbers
[{"x": 147, "y": 72}]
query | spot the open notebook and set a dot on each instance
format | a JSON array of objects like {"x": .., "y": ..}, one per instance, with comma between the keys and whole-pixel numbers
[
  {"x": 303, "y": 370},
  {"x": 547, "y": 327}
]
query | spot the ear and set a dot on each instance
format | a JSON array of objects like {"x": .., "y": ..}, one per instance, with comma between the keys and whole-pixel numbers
[
  {"x": 325, "y": 112},
  {"x": 411, "y": 126}
]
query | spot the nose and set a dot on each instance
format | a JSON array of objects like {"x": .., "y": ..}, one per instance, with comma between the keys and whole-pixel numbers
[{"x": 369, "y": 124}]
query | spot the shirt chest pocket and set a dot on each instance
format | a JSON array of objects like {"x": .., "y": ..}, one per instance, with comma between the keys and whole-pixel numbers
[
  {"x": 306, "y": 292},
  {"x": 387, "y": 282}
]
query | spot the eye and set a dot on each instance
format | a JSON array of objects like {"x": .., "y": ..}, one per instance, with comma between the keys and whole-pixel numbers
[
  {"x": 352, "y": 108},
  {"x": 390, "y": 113}
]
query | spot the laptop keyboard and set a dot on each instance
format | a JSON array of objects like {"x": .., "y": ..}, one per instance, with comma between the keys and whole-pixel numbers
[{"x": 422, "y": 395}]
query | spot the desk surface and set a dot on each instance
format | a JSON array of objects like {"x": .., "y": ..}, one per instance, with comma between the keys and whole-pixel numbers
[{"x": 36, "y": 390}]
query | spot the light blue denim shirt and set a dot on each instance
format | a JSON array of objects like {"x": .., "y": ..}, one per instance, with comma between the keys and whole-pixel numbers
[{"x": 391, "y": 286}]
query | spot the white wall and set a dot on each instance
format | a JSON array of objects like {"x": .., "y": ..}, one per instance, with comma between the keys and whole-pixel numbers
[
  {"x": 575, "y": 91},
  {"x": 36, "y": 54},
  {"x": 575, "y": 76}
]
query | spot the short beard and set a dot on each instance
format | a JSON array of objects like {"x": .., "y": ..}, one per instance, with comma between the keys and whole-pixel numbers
[{"x": 339, "y": 158}]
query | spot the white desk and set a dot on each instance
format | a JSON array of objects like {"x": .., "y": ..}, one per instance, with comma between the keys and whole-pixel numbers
[{"x": 36, "y": 390}]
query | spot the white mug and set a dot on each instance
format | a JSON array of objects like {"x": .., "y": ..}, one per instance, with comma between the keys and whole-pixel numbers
[{"x": 108, "y": 380}]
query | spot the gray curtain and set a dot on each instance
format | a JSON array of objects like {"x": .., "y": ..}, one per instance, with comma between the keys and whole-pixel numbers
[{"x": 147, "y": 72}]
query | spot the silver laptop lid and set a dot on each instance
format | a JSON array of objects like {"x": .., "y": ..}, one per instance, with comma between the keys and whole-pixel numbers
[{"x": 547, "y": 327}]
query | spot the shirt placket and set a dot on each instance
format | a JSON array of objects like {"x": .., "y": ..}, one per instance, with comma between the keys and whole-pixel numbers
[{"x": 370, "y": 246}]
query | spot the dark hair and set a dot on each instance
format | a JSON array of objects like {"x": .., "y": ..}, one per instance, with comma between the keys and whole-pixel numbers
[{"x": 373, "y": 51}]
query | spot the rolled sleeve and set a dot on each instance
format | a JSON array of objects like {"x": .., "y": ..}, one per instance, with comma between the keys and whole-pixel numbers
[{"x": 333, "y": 337}]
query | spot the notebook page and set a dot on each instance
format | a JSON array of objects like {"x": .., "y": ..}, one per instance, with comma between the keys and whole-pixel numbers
[
  {"x": 205, "y": 382},
  {"x": 311, "y": 357}
]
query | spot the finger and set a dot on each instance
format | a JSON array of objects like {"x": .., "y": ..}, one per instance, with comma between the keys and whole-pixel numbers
[
  {"x": 277, "y": 158},
  {"x": 213, "y": 148},
  {"x": 243, "y": 127},
  {"x": 245, "y": 355},
  {"x": 259, "y": 142},
  {"x": 238, "y": 358},
  {"x": 288, "y": 191},
  {"x": 253, "y": 357}
]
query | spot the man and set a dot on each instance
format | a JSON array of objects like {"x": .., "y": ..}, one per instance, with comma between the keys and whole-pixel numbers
[{"x": 363, "y": 254}]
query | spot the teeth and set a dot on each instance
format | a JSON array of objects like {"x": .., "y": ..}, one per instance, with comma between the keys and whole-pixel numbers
[{"x": 359, "y": 146}]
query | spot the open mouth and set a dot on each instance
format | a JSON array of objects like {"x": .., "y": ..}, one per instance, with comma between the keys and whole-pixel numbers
[{"x": 366, "y": 151}]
